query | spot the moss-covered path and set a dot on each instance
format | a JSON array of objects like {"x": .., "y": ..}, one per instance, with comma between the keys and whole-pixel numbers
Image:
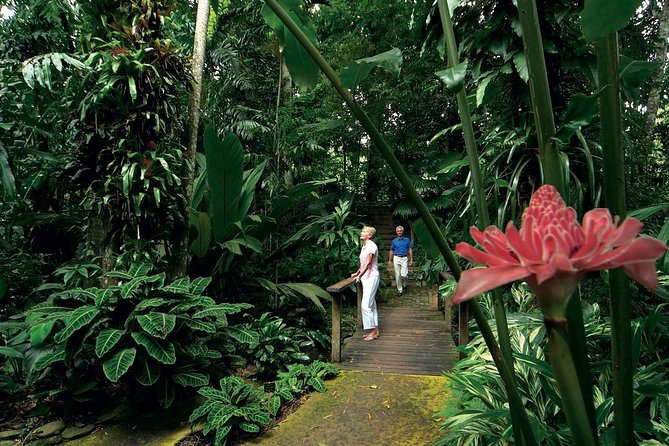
[{"x": 366, "y": 408}]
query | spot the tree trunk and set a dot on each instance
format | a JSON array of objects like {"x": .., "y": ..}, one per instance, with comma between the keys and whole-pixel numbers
[
  {"x": 658, "y": 81},
  {"x": 283, "y": 96},
  {"x": 199, "y": 47}
]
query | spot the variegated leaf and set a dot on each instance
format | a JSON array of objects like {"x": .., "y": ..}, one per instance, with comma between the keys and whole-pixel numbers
[
  {"x": 157, "y": 324},
  {"x": 106, "y": 340},
  {"x": 162, "y": 351},
  {"x": 116, "y": 366},
  {"x": 77, "y": 320}
]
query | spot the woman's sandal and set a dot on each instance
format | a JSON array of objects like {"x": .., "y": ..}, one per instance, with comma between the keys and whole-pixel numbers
[{"x": 370, "y": 337}]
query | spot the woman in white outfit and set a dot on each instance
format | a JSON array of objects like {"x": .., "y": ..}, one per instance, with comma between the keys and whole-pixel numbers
[{"x": 368, "y": 276}]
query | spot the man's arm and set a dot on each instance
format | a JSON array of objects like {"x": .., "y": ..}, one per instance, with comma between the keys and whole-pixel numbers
[{"x": 410, "y": 256}]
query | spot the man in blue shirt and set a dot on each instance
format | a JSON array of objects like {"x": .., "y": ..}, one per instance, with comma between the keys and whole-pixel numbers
[{"x": 401, "y": 256}]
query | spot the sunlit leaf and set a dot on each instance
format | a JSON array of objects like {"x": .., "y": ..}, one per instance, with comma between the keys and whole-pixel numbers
[{"x": 358, "y": 71}]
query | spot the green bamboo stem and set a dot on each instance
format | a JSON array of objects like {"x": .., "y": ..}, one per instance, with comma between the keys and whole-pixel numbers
[
  {"x": 540, "y": 92},
  {"x": 571, "y": 392},
  {"x": 482, "y": 210},
  {"x": 412, "y": 194},
  {"x": 614, "y": 195},
  {"x": 552, "y": 170}
]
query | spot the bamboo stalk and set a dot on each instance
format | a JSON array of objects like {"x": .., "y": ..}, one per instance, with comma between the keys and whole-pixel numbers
[
  {"x": 614, "y": 196},
  {"x": 552, "y": 171}
]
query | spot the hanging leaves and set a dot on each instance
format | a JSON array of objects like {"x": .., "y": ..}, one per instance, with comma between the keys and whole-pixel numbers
[
  {"x": 358, "y": 71},
  {"x": 301, "y": 66},
  {"x": 454, "y": 77},
  {"x": 603, "y": 17}
]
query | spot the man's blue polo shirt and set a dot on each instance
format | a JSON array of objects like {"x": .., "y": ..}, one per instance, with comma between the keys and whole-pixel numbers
[{"x": 401, "y": 246}]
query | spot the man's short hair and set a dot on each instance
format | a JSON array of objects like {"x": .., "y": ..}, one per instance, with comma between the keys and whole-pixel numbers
[{"x": 400, "y": 227}]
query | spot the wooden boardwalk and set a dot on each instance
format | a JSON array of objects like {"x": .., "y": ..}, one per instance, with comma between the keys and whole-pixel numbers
[{"x": 415, "y": 337}]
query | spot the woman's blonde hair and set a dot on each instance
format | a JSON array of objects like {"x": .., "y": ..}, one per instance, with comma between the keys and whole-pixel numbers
[{"x": 371, "y": 230}]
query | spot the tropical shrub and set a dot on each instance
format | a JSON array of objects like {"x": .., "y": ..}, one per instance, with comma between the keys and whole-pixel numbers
[
  {"x": 277, "y": 345},
  {"x": 10, "y": 358},
  {"x": 301, "y": 378},
  {"x": 141, "y": 330},
  {"x": 237, "y": 405}
]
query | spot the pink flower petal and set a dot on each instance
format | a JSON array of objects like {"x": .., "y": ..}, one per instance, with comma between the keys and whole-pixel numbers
[
  {"x": 482, "y": 258},
  {"x": 643, "y": 273},
  {"x": 642, "y": 249},
  {"x": 525, "y": 252},
  {"x": 476, "y": 281},
  {"x": 626, "y": 231}
]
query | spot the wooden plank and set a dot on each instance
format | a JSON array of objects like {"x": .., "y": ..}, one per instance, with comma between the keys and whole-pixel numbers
[
  {"x": 359, "y": 300},
  {"x": 336, "y": 327},
  {"x": 341, "y": 285},
  {"x": 414, "y": 340}
]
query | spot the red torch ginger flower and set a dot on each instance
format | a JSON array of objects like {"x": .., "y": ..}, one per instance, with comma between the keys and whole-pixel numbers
[{"x": 552, "y": 252}]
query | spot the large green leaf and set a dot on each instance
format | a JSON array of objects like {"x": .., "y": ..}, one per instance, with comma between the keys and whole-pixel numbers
[
  {"x": 312, "y": 292},
  {"x": 359, "y": 70},
  {"x": 78, "y": 319},
  {"x": 303, "y": 70},
  {"x": 162, "y": 351},
  {"x": 487, "y": 90},
  {"x": 225, "y": 163},
  {"x": 249, "y": 188},
  {"x": 425, "y": 238},
  {"x": 520, "y": 62},
  {"x": 39, "y": 332},
  {"x": 147, "y": 371},
  {"x": 49, "y": 358},
  {"x": 603, "y": 17},
  {"x": 283, "y": 204},
  {"x": 199, "y": 284},
  {"x": 10, "y": 352},
  {"x": 6, "y": 175},
  {"x": 580, "y": 112},
  {"x": 221, "y": 310},
  {"x": 156, "y": 324},
  {"x": 633, "y": 73},
  {"x": 191, "y": 379},
  {"x": 116, "y": 366},
  {"x": 106, "y": 340},
  {"x": 201, "y": 243},
  {"x": 207, "y": 327},
  {"x": 454, "y": 77},
  {"x": 241, "y": 335},
  {"x": 179, "y": 286}
]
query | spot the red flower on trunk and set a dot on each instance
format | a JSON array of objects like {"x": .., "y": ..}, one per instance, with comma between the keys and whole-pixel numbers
[{"x": 552, "y": 251}]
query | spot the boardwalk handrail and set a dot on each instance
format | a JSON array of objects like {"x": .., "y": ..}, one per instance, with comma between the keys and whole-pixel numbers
[
  {"x": 463, "y": 315},
  {"x": 335, "y": 291}
]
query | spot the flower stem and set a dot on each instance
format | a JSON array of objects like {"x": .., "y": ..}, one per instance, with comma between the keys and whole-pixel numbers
[{"x": 568, "y": 383}]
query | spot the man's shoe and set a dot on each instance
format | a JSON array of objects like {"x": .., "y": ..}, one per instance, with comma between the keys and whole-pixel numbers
[
  {"x": 399, "y": 293},
  {"x": 404, "y": 290}
]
